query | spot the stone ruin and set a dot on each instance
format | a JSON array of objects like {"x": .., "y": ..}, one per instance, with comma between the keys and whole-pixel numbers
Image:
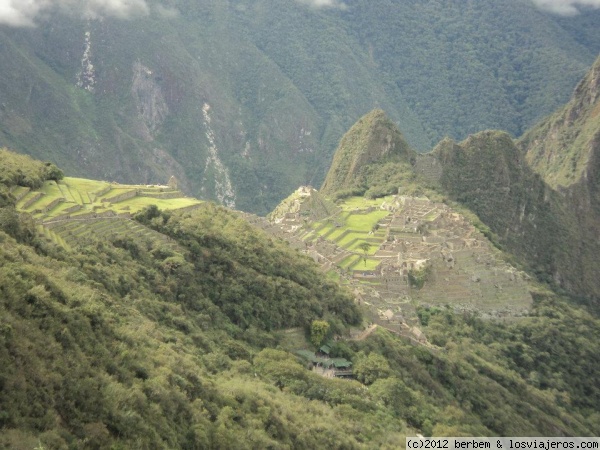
[{"x": 465, "y": 271}]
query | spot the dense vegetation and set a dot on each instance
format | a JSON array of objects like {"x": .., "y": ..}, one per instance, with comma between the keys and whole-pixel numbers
[
  {"x": 134, "y": 342},
  {"x": 284, "y": 82},
  {"x": 20, "y": 170},
  {"x": 545, "y": 229},
  {"x": 560, "y": 148},
  {"x": 372, "y": 156}
]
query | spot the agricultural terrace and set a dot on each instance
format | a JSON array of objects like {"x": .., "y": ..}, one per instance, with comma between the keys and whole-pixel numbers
[
  {"x": 76, "y": 208},
  {"x": 356, "y": 231},
  {"x": 403, "y": 251}
]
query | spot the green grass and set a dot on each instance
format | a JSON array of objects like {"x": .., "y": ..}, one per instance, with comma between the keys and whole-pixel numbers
[
  {"x": 365, "y": 222},
  {"x": 58, "y": 210},
  {"x": 333, "y": 275},
  {"x": 83, "y": 192},
  {"x": 350, "y": 238},
  {"x": 138, "y": 203},
  {"x": 430, "y": 216},
  {"x": 354, "y": 247},
  {"x": 19, "y": 191},
  {"x": 369, "y": 264},
  {"x": 351, "y": 242},
  {"x": 323, "y": 229},
  {"x": 85, "y": 185},
  {"x": 37, "y": 204},
  {"x": 293, "y": 339},
  {"x": 335, "y": 234},
  {"x": 349, "y": 261},
  {"x": 351, "y": 203}
]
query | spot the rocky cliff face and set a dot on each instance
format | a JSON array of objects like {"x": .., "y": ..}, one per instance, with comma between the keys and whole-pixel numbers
[
  {"x": 547, "y": 229},
  {"x": 563, "y": 146},
  {"x": 149, "y": 99}
]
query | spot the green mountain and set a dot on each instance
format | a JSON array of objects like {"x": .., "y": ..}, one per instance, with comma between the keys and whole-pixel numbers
[
  {"x": 373, "y": 147},
  {"x": 489, "y": 174},
  {"x": 537, "y": 199},
  {"x": 546, "y": 187},
  {"x": 447, "y": 286},
  {"x": 243, "y": 101},
  {"x": 182, "y": 328},
  {"x": 563, "y": 148}
]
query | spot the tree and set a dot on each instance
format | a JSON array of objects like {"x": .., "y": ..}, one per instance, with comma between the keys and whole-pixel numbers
[
  {"x": 365, "y": 247},
  {"x": 318, "y": 332},
  {"x": 369, "y": 369},
  {"x": 51, "y": 172}
]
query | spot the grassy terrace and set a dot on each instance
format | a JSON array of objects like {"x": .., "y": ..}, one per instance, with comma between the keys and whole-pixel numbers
[
  {"x": 369, "y": 264},
  {"x": 92, "y": 196},
  {"x": 138, "y": 203},
  {"x": 352, "y": 228},
  {"x": 65, "y": 211}
]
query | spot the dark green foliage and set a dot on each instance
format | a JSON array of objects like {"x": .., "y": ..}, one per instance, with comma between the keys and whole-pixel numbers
[
  {"x": 119, "y": 343},
  {"x": 424, "y": 314},
  {"x": 284, "y": 82},
  {"x": 104, "y": 347},
  {"x": 418, "y": 277},
  {"x": 489, "y": 174},
  {"x": 170, "y": 343},
  {"x": 372, "y": 155},
  {"x": 21, "y": 170},
  {"x": 369, "y": 369},
  {"x": 494, "y": 378},
  {"x": 487, "y": 54},
  {"x": 269, "y": 292}
]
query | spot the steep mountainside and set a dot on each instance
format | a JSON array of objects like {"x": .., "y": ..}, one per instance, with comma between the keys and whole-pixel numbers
[
  {"x": 489, "y": 174},
  {"x": 162, "y": 335},
  {"x": 553, "y": 232},
  {"x": 540, "y": 196},
  {"x": 565, "y": 150},
  {"x": 374, "y": 145},
  {"x": 243, "y": 101},
  {"x": 563, "y": 147}
]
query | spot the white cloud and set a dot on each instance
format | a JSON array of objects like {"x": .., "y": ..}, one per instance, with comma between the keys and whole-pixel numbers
[
  {"x": 18, "y": 12},
  {"x": 25, "y": 12},
  {"x": 324, "y": 3},
  {"x": 566, "y": 7}
]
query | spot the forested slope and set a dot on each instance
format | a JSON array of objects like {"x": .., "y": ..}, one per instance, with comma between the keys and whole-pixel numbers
[
  {"x": 132, "y": 341},
  {"x": 244, "y": 101},
  {"x": 539, "y": 195}
]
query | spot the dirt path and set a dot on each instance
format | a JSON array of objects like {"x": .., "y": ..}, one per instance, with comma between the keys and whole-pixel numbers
[{"x": 366, "y": 333}]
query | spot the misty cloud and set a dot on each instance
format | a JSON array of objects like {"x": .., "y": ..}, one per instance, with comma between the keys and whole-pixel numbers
[
  {"x": 19, "y": 13},
  {"x": 566, "y": 7},
  {"x": 165, "y": 12},
  {"x": 324, "y": 3}
]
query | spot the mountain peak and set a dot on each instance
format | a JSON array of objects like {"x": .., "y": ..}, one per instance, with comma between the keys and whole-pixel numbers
[
  {"x": 562, "y": 147},
  {"x": 373, "y": 140}
]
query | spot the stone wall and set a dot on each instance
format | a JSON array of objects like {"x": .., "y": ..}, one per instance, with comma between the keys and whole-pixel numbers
[
  {"x": 52, "y": 204},
  {"x": 33, "y": 199},
  {"x": 121, "y": 197}
]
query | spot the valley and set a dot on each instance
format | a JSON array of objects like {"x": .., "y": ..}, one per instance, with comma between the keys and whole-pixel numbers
[
  {"x": 112, "y": 97},
  {"x": 235, "y": 229}
]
